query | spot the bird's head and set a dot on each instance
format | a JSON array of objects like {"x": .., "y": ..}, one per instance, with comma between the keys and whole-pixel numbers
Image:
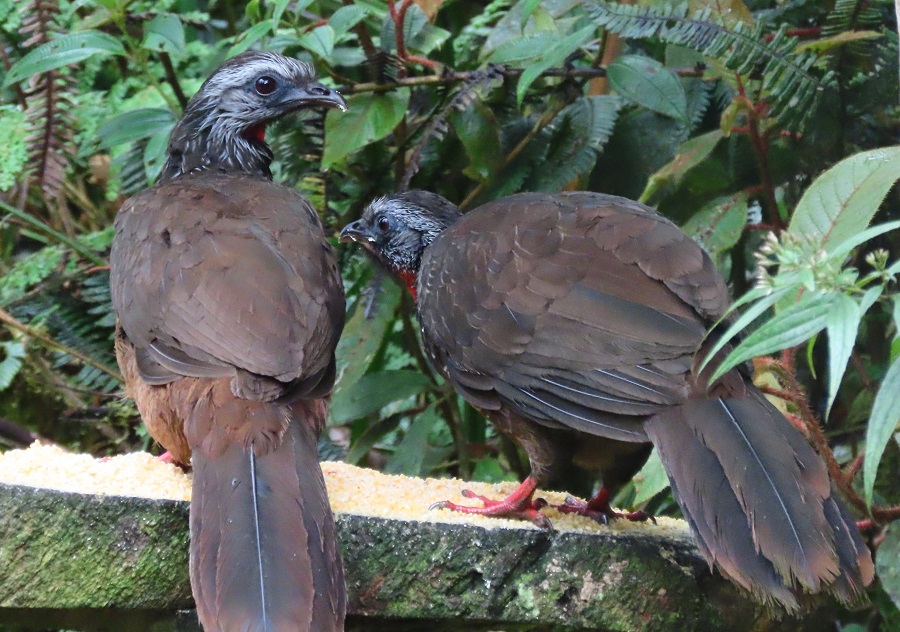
[
  {"x": 223, "y": 126},
  {"x": 398, "y": 228}
]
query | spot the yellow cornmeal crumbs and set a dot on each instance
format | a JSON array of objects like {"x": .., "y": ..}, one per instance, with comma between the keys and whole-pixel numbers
[{"x": 351, "y": 490}]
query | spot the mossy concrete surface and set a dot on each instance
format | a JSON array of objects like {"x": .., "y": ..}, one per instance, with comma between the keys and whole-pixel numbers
[{"x": 71, "y": 552}]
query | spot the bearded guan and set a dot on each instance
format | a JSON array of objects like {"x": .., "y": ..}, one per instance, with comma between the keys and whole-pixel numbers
[
  {"x": 575, "y": 322},
  {"x": 229, "y": 306}
]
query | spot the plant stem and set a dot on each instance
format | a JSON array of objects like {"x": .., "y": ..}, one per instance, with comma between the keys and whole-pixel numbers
[
  {"x": 9, "y": 320},
  {"x": 58, "y": 236},
  {"x": 172, "y": 78}
]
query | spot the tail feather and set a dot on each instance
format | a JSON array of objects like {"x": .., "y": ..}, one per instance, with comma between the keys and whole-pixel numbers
[
  {"x": 759, "y": 499},
  {"x": 264, "y": 552}
]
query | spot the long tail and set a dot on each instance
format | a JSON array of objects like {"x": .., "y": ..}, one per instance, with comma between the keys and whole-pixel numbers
[
  {"x": 759, "y": 500},
  {"x": 264, "y": 554}
]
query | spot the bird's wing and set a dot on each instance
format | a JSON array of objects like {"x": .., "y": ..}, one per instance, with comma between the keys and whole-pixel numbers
[
  {"x": 576, "y": 309},
  {"x": 212, "y": 273}
]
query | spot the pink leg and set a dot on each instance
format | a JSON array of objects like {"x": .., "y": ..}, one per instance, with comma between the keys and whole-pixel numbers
[
  {"x": 518, "y": 505},
  {"x": 598, "y": 508}
]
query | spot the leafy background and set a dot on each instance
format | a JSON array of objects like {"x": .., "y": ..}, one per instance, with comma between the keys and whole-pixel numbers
[{"x": 767, "y": 129}]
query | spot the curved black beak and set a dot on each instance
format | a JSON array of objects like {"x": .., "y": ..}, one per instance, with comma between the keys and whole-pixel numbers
[
  {"x": 316, "y": 94},
  {"x": 357, "y": 231}
]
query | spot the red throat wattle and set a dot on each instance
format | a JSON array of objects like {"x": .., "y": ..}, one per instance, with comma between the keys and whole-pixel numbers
[
  {"x": 409, "y": 279},
  {"x": 256, "y": 132}
]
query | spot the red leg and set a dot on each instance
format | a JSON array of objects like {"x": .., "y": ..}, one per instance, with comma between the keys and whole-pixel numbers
[
  {"x": 166, "y": 457},
  {"x": 518, "y": 505},
  {"x": 598, "y": 508}
]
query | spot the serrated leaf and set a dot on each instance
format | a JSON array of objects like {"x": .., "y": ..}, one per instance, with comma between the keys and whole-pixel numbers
[
  {"x": 63, "y": 51},
  {"x": 409, "y": 456},
  {"x": 135, "y": 125},
  {"x": 788, "y": 328},
  {"x": 882, "y": 424},
  {"x": 718, "y": 225},
  {"x": 841, "y": 202},
  {"x": 319, "y": 41},
  {"x": 691, "y": 153},
  {"x": 370, "y": 117},
  {"x": 651, "y": 480},
  {"x": 842, "y": 325},
  {"x": 842, "y": 249},
  {"x": 554, "y": 56},
  {"x": 165, "y": 33},
  {"x": 345, "y": 19},
  {"x": 372, "y": 392},
  {"x": 887, "y": 564},
  {"x": 646, "y": 82},
  {"x": 13, "y": 353},
  {"x": 249, "y": 37}
]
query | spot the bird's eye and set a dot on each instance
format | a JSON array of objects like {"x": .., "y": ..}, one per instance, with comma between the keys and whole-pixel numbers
[
  {"x": 383, "y": 224},
  {"x": 266, "y": 85}
]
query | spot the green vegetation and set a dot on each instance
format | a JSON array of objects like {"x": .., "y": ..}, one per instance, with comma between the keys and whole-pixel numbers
[{"x": 712, "y": 111}]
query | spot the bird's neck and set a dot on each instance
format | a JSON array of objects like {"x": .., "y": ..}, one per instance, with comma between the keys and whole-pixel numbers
[
  {"x": 202, "y": 141},
  {"x": 409, "y": 278}
]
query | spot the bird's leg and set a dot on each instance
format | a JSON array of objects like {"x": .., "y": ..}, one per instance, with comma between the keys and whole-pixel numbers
[
  {"x": 599, "y": 509},
  {"x": 166, "y": 457},
  {"x": 519, "y": 505}
]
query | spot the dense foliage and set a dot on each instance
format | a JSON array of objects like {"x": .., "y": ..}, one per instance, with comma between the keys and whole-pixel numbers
[{"x": 721, "y": 113}]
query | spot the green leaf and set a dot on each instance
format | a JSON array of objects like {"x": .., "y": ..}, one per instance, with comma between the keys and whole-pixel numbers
[
  {"x": 345, "y": 19},
  {"x": 13, "y": 353},
  {"x": 887, "y": 564},
  {"x": 646, "y": 82},
  {"x": 842, "y": 249},
  {"x": 62, "y": 51},
  {"x": 788, "y": 328},
  {"x": 882, "y": 424},
  {"x": 319, "y": 41},
  {"x": 479, "y": 131},
  {"x": 519, "y": 51},
  {"x": 718, "y": 225},
  {"x": 363, "y": 337},
  {"x": 409, "y": 456},
  {"x": 842, "y": 201},
  {"x": 373, "y": 392},
  {"x": 826, "y": 44},
  {"x": 155, "y": 154},
  {"x": 135, "y": 125},
  {"x": 528, "y": 7},
  {"x": 165, "y": 33},
  {"x": 691, "y": 153},
  {"x": 249, "y": 37},
  {"x": 764, "y": 300},
  {"x": 842, "y": 324},
  {"x": 555, "y": 56},
  {"x": 370, "y": 117},
  {"x": 651, "y": 480}
]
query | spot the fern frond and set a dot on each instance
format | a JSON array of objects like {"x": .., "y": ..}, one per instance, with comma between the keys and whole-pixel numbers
[{"x": 791, "y": 89}]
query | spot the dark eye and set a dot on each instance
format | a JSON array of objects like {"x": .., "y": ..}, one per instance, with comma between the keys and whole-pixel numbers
[
  {"x": 266, "y": 85},
  {"x": 383, "y": 224}
]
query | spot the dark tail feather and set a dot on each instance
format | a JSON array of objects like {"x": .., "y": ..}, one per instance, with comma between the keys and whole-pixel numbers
[
  {"x": 759, "y": 500},
  {"x": 264, "y": 554}
]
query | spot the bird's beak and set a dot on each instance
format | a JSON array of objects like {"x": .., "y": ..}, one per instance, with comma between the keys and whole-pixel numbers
[
  {"x": 316, "y": 94},
  {"x": 357, "y": 231}
]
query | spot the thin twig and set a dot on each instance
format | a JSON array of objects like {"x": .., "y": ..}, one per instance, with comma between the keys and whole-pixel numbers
[
  {"x": 9, "y": 320},
  {"x": 449, "y": 77},
  {"x": 172, "y": 78}
]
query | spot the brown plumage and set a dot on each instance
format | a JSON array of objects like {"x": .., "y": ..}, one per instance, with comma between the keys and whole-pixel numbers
[
  {"x": 229, "y": 307},
  {"x": 575, "y": 322}
]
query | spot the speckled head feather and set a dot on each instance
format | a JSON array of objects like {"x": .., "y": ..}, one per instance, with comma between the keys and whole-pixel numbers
[
  {"x": 224, "y": 123},
  {"x": 398, "y": 228}
]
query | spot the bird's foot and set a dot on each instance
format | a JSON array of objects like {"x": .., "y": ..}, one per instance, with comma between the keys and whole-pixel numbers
[
  {"x": 599, "y": 509},
  {"x": 166, "y": 457},
  {"x": 519, "y": 505}
]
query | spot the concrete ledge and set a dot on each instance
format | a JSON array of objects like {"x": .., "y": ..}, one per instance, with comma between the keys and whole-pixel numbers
[{"x": 64, "y": 554}]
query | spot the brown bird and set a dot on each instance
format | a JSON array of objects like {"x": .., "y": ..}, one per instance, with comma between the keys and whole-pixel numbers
[
  {"x": 229, "y": 307},
  {"x": 575, "y": 322}
]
